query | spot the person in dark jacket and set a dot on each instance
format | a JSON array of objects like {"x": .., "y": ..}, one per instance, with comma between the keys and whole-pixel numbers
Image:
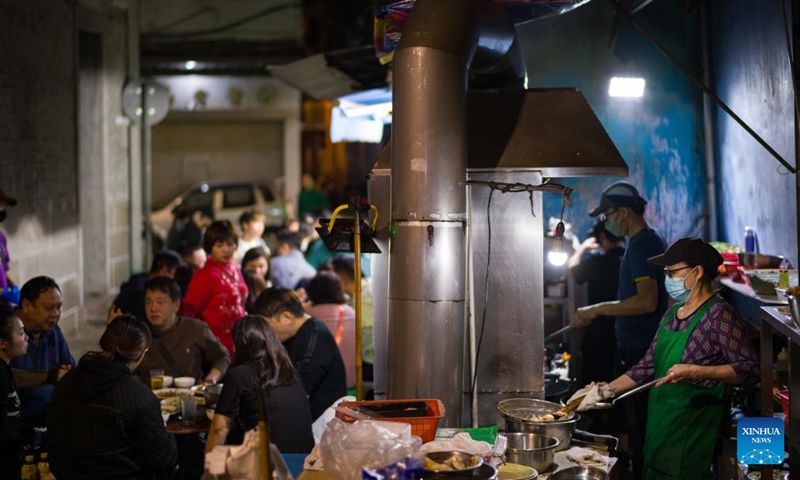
[
  {"x": 102, "y": 422},
  {"x": 13, "y": 343},
  {"x": 261, "y": 362},
  {"x": 131, "y": 294},
  {"x": 311, "y": 347}
]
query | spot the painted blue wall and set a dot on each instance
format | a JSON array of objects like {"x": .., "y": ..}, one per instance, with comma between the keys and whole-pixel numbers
[
  {"x": 660, "y": 136},
  {"x": 752, "y": 75}
]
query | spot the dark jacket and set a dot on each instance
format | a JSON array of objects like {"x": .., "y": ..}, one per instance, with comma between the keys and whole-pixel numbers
[
  {"x": 131, "y": 296},
  {"x": 105, "y": 424},
  {"x": 193, "y": 350}
]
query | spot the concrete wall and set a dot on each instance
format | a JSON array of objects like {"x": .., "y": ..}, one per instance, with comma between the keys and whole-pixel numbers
[
  {"x": 660, "y": 135},
  {"x": 39, "y": 161},
  {"x": 752, "y": 75}
]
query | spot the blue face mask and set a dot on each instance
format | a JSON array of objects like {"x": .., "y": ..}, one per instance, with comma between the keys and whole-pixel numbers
[{"x": 676, "y": 289}]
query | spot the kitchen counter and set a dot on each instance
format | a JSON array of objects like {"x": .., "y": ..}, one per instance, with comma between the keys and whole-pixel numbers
[{"x": 742, "y": 289}]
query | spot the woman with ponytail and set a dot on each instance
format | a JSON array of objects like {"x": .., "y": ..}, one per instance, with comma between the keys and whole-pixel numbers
[
  {"x": 102, "y": 421},
  {"x": 260, "y": 362}
]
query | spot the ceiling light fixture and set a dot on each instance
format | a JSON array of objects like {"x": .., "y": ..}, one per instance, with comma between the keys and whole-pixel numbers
[
  {"x": 191, "y": 65},
  {"x": 626, "y": 87}
]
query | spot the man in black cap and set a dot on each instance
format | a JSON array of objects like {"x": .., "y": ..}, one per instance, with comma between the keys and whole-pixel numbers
[
  {"x": 9, "y": 292},
  {"x": 641, "y": 298}
]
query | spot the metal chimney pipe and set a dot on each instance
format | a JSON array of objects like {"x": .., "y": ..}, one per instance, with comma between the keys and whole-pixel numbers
[
  {"x": 429, "y": 164},
  {"x": 426, "y": 337}
]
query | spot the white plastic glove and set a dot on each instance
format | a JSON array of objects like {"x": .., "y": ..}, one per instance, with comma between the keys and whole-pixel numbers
[{"x": 593, "y": 393}]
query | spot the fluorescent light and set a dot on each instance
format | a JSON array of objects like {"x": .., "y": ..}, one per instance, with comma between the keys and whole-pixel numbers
[
  {"x": 626, "y": 87},
  {"x": 191, "y": 64}
]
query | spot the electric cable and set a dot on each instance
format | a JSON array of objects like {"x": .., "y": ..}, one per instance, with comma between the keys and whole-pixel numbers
[{"x": 508, "y": 188}]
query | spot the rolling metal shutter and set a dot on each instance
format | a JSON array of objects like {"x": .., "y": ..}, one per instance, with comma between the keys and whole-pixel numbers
[{"x": 188, "y": 152}]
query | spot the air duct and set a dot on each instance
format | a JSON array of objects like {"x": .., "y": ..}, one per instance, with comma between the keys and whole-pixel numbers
[{"x": 429, "y": 163}]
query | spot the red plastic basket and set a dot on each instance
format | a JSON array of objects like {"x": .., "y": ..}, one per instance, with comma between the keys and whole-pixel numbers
[{"x": 423, "y": 427}]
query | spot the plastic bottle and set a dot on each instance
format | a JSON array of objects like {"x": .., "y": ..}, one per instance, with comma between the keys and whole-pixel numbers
[
  {"x": 29, "y": 470},
  {"x": 749, "y": 240},
  {"x": 44, "y": 467}
]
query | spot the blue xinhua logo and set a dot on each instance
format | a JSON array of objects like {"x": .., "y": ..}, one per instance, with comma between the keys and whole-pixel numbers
[{"x": 759, "y": 441}]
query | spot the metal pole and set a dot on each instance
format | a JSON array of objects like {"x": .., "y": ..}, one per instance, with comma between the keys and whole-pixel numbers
[
  {"x": 147, "y": 180},
  {"x": 471, "y": 312},
  {"x": 357, "y": 280},
  {"x": 264, "y": 460},
  {"x": 708, "y": 130}
]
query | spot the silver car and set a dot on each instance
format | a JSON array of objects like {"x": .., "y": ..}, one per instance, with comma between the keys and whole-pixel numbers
[{"x": 224, "y": 200}]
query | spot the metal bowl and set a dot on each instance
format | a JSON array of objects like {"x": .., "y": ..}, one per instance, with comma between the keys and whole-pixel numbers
[
  {"x": 211, "y": 394},
  {"x": 580, "y": 473},
  {"x": 760, "y": 260},
  {"x": 531, "y": 449},
  {"x": 794, "y": 307},
  {"x": 473, "y": 463}
]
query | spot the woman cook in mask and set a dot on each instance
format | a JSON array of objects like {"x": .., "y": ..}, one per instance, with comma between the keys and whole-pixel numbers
[{"x": 700, "y": 346}]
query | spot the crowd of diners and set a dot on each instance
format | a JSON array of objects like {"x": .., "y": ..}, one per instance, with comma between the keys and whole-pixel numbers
[
  {"x": 230, "y": 310},
  {"x": 282, "y": 325}
]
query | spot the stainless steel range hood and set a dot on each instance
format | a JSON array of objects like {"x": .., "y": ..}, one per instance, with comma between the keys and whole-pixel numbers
[{"x": 551, "y": 131}]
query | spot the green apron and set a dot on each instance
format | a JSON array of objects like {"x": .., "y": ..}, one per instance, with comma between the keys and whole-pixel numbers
[{"x": 682, "y": 420}]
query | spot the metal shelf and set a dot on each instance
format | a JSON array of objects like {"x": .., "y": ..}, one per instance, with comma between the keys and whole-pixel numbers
[{"x": 773, "y": 321}]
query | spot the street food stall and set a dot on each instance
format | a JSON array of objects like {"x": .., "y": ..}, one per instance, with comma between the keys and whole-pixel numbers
[{"x": 458, "y": 287}]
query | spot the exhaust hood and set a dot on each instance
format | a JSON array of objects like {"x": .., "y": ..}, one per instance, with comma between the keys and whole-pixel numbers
[{"x": 551, "y": 131}]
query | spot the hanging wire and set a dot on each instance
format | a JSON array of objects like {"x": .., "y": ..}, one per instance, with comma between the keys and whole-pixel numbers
[
  {"x": 485, "y": 291},
  {"x": 508, "y": 188}
]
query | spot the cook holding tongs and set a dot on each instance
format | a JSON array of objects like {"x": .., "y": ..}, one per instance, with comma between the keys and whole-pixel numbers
[{"x": 699, "y": 347}]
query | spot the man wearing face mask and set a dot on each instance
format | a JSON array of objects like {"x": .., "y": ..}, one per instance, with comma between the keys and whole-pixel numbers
[
  {"x": 9, "y": 292},
  {"x": 700, "y": 346},
  {"x": 641, "y": 299}
]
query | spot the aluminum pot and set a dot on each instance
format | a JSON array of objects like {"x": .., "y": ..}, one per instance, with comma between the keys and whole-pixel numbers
[
  {"x": 560, "y": 429},
  {"x": 531, "y": 449}
]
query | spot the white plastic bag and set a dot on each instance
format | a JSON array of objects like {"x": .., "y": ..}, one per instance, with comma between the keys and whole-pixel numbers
[{"x": 347, "y": 448}]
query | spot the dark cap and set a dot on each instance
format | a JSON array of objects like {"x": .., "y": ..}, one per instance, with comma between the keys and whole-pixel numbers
[
  {"x": 600, "y": 227},
  {"x": 692, "y": 251},
  {"x": 6, "y": 199},
  {"x": 619, "y": 194}
]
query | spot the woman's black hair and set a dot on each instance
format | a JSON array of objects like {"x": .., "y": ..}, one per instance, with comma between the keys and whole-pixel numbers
[
  {"x": 709, "y": 273},
  {"x": 219, "y": 231},
  {"x": 125, "y": 339},
  {"x": 325, "y": 287},
  {"x": 257, "y": 345},
  {"x": 6, "y": 322}
]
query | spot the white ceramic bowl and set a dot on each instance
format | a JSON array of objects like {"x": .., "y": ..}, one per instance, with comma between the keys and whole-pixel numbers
[
  {"x": 184, "y": 382},
  {"x": 167, "y": 381}
]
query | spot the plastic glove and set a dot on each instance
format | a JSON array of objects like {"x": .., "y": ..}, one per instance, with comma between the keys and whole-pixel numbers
[
  {"x": 593, "y": 393},
  {"x": 11, "y": 295}
]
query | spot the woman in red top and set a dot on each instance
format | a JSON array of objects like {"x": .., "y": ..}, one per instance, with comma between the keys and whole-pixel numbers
[{"x": 217, "y": 292}]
